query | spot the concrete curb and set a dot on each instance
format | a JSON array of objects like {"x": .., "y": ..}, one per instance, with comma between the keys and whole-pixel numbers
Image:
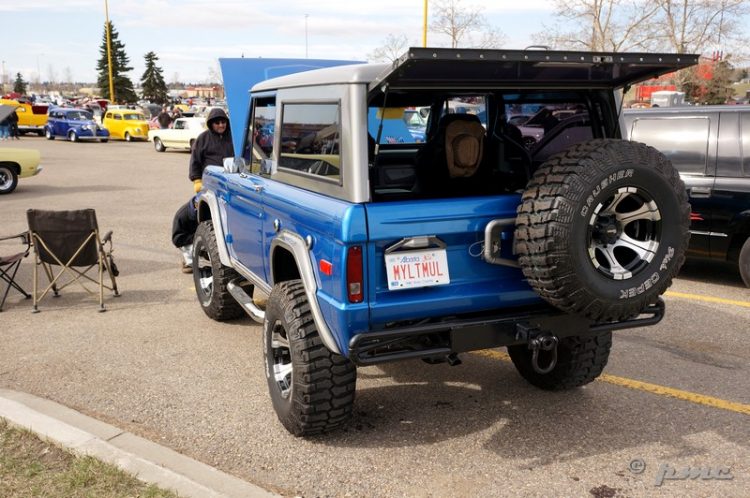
[{"x": 147, "y": 460}]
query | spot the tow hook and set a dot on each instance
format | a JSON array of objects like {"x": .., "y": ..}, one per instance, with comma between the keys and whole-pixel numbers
[{"x": 538, "y": 340}]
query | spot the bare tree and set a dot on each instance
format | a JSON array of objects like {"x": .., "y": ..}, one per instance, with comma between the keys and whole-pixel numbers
[
  {"x": 694, "y": 26},
  {"x": 51, "y": 75},
  {"x": 68, "y": 78},
  {"x": 175, "y": 83},
  {"x": 461, "y": 24},
  {"x": 682, "y": 26},
  {"x": 602, "y": 25},
  {"x": 214, "y": 74},
  {"x": 392, "y": 48}
]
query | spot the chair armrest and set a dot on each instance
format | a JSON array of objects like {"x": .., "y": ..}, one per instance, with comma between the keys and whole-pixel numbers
[
  {"x": 24, "y": 236},
  {"x": 107, "y": 237}
]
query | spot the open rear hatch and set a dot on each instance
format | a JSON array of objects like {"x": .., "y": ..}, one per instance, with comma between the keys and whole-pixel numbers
[{"x": 478, "y": 68}]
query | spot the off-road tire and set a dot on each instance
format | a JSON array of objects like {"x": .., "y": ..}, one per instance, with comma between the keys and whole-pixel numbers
[
  {"x": 603, "y": 228},
  {"x": 312, "y": 389},
  {"x": 744, "y": 262},
  {"x": 48, "y": 134},
  {"x": 211, "y": 277},
  {"x": 158, "y": 145},
  {"x": 8, "y": 179},
  {"x": 580, "y": 360}
]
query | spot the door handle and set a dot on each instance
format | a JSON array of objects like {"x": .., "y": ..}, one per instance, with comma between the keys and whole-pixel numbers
[
  {"x": 258, "y": 188},
  {"x": 700, "y": 192}
]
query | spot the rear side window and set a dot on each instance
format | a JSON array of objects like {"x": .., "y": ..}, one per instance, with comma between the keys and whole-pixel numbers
[
  {"x": 683, "y": 140},
  {"x": 745, "y": 132},
  {"x": 310, "y": 139}
]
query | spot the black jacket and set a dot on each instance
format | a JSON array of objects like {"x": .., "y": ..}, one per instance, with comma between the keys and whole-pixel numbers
[{"x": 210, "y": 148}]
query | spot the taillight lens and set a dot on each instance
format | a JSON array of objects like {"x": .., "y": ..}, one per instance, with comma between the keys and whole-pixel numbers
[{"x": 355, "y": 275}]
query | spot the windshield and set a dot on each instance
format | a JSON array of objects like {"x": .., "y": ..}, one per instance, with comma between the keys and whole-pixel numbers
[{"x": 81, "y": 115}]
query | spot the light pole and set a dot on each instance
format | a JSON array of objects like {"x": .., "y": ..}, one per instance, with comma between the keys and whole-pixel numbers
[
  {"x": 424, "y": 28},
  {"x": 3, "y": 77},
  {"x": 109, "y": 56},
  {"x": 306, "y": 16}
]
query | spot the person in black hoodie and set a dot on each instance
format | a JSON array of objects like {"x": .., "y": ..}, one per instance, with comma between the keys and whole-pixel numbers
[{"x": 210, "y": 148}]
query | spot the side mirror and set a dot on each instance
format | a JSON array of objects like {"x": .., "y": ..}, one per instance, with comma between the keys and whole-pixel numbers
[
  {"x": 267, "y": 167},
  {"x": 234, "y": 164}
]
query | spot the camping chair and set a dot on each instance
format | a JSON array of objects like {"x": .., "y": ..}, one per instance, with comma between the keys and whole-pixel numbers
[
  {"x": 70, "y": 240},
  {"x": 9, "y": 266}
]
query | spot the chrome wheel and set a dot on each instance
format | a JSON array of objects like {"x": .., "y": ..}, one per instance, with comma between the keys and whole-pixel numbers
[
  {"x": 624, "y": 233},
  {"x": 203, "y": 272},
  {"x": 281, "y": 356}
]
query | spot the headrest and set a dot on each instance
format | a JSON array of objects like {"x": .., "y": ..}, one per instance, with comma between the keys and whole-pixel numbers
[
  {"x": 463, "y": 145},
  {"x": 452, "y": 118}
]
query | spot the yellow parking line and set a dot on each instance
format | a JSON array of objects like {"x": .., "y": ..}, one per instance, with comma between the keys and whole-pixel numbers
[
  {"x": 644, "y": 386},
  {"x": 676, "y": 393},
  {"x": 707, "y": 298}
]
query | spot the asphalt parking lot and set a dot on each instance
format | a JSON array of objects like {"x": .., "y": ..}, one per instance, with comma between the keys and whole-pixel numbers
[{"x": 675, "y": 397}]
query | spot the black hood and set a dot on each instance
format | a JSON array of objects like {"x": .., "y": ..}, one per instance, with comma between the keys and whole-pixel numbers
[{"x": 218, "y": 113}]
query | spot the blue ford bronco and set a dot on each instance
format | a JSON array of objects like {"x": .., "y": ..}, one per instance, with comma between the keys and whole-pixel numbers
[{"x": 356, "y": 240}]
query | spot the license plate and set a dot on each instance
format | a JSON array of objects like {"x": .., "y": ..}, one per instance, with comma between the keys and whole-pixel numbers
[{"x": 412, "y": 269}]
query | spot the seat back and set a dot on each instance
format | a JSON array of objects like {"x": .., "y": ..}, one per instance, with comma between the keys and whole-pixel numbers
[
  {"x": 62, "y": 234},
  {"x": 450, "y": 163}
]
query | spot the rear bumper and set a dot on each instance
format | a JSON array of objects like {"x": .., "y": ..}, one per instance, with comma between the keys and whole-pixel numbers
[{"x": 461, "y": 335}]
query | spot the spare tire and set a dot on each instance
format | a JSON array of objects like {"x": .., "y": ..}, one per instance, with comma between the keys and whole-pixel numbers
[{"x": 602, "y": 229}]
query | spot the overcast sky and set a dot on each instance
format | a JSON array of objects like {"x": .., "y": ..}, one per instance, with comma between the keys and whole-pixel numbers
[{"x": 63, "y": 37}]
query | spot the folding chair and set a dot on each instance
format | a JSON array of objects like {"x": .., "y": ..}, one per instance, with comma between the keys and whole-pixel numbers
[
  {"x": 70, "y": 240},
  {"x": 9, "y": 266}
]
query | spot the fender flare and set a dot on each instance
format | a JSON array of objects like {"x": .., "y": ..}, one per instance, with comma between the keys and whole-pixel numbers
[
  {"x": 296, "y": 245},
  {"x": 218, "y": 216}
]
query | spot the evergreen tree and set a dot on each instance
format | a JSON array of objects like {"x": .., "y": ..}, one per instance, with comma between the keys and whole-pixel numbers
[
  {"x": 19, "y": 85},
  {"x": 123, "y": 87},
  {"x": 153, "y": 84}
]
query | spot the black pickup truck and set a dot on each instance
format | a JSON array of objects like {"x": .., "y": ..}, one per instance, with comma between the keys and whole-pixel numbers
[{"x": 710, "y": 147}]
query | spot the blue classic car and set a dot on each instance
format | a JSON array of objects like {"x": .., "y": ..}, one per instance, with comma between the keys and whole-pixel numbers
[{"x": 73, "y": 124}]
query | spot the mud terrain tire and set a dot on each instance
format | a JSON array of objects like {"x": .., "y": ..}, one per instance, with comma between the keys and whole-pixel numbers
[
  {"x": 312, "y": 389},
  {"x": 603, "y": 228},
  {"x": 580, "y": 360},
  {"x": 211, "y": 277}
]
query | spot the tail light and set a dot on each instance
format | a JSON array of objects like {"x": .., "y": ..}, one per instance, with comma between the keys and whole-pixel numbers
[{"x": 354, "y": 275}]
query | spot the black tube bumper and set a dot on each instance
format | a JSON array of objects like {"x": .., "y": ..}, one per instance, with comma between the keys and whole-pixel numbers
[{"x": 459, "y": 335}]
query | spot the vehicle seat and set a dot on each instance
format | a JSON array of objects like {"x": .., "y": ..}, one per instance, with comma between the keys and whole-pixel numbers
[{"x": 450, "y": 163}]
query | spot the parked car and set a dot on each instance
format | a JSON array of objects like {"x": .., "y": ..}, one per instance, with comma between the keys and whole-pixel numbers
[
  {"x": 31, "y": 117},
  {"x": 74, "y": 124},
  {"x": 353, "y": 255},
  {"x": 181, "y": 135},
  {"x": 710, "y": 147},
  {"x": 126, "y": 124},
  {"x": 15, "y": 164},
  {"x": 151, "y": 110},
  {"x": 94, "y": 109}
]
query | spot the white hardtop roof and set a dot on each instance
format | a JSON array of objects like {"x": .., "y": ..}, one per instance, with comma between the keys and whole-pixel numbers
[{"x": 348, "y": 74}]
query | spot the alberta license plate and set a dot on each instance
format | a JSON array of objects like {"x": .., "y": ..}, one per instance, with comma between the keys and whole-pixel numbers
[{"x": 411, "y": 269}]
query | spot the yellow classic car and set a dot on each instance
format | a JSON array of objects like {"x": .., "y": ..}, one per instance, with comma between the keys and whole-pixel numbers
[
  {"x": 126, "y": 124},
  {"x": 31, "y": 118},
  {"x": 15, "y": 164}
]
